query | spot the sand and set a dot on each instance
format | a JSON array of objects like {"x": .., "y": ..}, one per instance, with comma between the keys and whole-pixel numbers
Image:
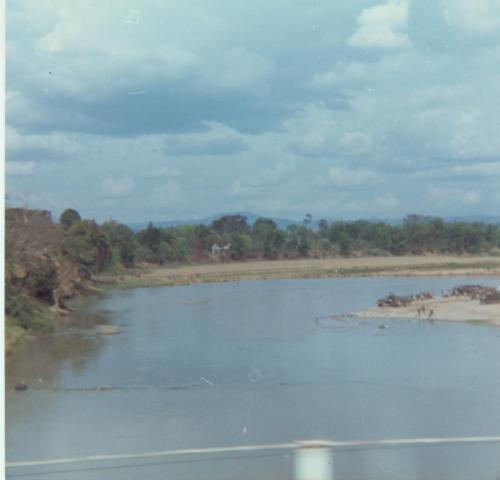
[{"x": 450, "y": 309}]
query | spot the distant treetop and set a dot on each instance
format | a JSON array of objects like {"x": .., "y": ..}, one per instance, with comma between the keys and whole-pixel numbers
[{"x": 69, "y": 217}]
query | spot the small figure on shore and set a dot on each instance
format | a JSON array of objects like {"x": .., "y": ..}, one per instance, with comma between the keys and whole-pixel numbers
[
  {"x": 431, "y": 313},
  {"x": 421, "y": 311}
]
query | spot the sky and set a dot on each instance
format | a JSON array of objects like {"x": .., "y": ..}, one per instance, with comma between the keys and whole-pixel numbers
[{"x": 137, "y": 110}]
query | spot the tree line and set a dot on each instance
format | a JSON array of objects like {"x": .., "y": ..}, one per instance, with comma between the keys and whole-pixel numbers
[{"x": 230, "y": 237}]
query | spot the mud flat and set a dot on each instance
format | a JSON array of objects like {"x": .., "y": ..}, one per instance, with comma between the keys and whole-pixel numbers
[{"x": 450, "y": 309}]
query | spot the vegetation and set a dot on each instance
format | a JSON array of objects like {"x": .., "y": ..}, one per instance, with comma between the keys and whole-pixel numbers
[
  {"x": 69, "y": 217},
  {"x": 231, "y": 238},
  {"x": 47, "y": 262}
]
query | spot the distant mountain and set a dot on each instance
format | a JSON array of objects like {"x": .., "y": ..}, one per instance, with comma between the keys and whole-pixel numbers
[
  {"x": 284, "y": 222},
  {"x": 488, "y": 219},
  {"x": 251, "y": 218}
]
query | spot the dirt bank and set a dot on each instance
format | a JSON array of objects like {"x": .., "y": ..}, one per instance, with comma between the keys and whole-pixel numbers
[{"x": 307, "y": 268}]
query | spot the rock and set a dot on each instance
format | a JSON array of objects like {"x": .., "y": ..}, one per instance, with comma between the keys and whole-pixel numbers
[
  {"x": 59, "y": 311},
  {"x": 490, "y": 297},
  {"x": 396, "y": 301},
  {"x": 108, "y": 329}
]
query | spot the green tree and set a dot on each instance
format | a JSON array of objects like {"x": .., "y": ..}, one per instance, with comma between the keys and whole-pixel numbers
[
  {"x": 230, "y": 224},
  {"x": 345, "y": 244},
  {"x": 69, "y": 217},
  {"x": 298, "y": 240},
  {"x": 268, "y": 239},
  {"x": 241, "y": 245},
  {"x": 122, "y": 240},
  {"x": 323, "y": 227},
  {"x": 149, "y": 239},
  {"x": 84, "y": 243}
]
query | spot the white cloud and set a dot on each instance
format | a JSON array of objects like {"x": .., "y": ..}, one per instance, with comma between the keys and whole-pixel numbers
[
  {"x": 238, "y": 188},
  {"x": 319, "y": 131},
  {"x": 385, "y": 201},
  {"x": 487, "y": 171},
  {"x": 473, "y": 16},
  {"x": 69, "y": 146},
  {"x": 279, "y": 171},
  {"x": 164, "y": 172},
  {"x": 117, "y": 187},
  {"x": 166, "y": 194},
  {"x": 450, "y": 197},
  {"x": 138, "y": 56},
  {"x": 20, "y": 168},
  {"x": 471, "y": 197},
  {"x": 382, "y": 26},
  {"x": 326, "y": 79},
  {"x": 265, "y": 181},
  {"x": 238, "y": 68},
  {"x": 458, "y": 121},
  {"x": 58, "y": 144},
  {"x": 345, "y": 77},
  {"x": 344, "y": 176},
  {"x": 219, "y": 139},
  {"x": 19, "y": 108}
]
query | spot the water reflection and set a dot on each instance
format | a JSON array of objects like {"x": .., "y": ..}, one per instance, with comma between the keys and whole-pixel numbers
[{"x": 73, "y": 345}]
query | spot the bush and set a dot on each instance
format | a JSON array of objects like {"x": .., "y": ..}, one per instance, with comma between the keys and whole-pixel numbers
[
  {"x": 41, "y": 279},
  {"x": 86, "y": 245},
  {"x": 25, "y": 313},
  {"x": 69, "y": 217}
]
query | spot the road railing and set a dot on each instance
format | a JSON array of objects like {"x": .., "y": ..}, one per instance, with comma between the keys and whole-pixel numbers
[{"x": 313, "y": 459}]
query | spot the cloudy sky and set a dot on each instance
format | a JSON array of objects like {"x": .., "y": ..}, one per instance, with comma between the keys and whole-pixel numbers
[{"x": 178, "y": 109}]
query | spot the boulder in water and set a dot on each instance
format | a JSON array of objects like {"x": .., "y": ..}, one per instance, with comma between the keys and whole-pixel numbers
[{"x": 108, "y": 329}]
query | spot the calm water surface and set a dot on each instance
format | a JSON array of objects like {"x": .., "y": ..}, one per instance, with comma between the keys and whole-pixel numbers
[{"x": 256, "y": 362}]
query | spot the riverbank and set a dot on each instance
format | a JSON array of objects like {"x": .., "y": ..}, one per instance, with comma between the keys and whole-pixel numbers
[
  {"x": 146, "y": 277},
  {"x": 449, "y": 309},
  {"x": 439, "y": 265}
]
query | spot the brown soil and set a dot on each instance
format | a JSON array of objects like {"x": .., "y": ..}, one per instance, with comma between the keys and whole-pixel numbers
[{"x": 311, "y": 268}]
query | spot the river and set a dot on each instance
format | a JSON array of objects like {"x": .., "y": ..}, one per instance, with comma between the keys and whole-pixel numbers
[{"x": 255, "y": 362}]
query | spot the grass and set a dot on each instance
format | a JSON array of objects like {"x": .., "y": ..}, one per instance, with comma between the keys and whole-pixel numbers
[
  {"x": 14, "y": 335},
  {"x": 23, "y": 317}
]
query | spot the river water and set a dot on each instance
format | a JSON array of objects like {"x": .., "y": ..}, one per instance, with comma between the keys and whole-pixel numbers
[{"x": 255, "y": 362}]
